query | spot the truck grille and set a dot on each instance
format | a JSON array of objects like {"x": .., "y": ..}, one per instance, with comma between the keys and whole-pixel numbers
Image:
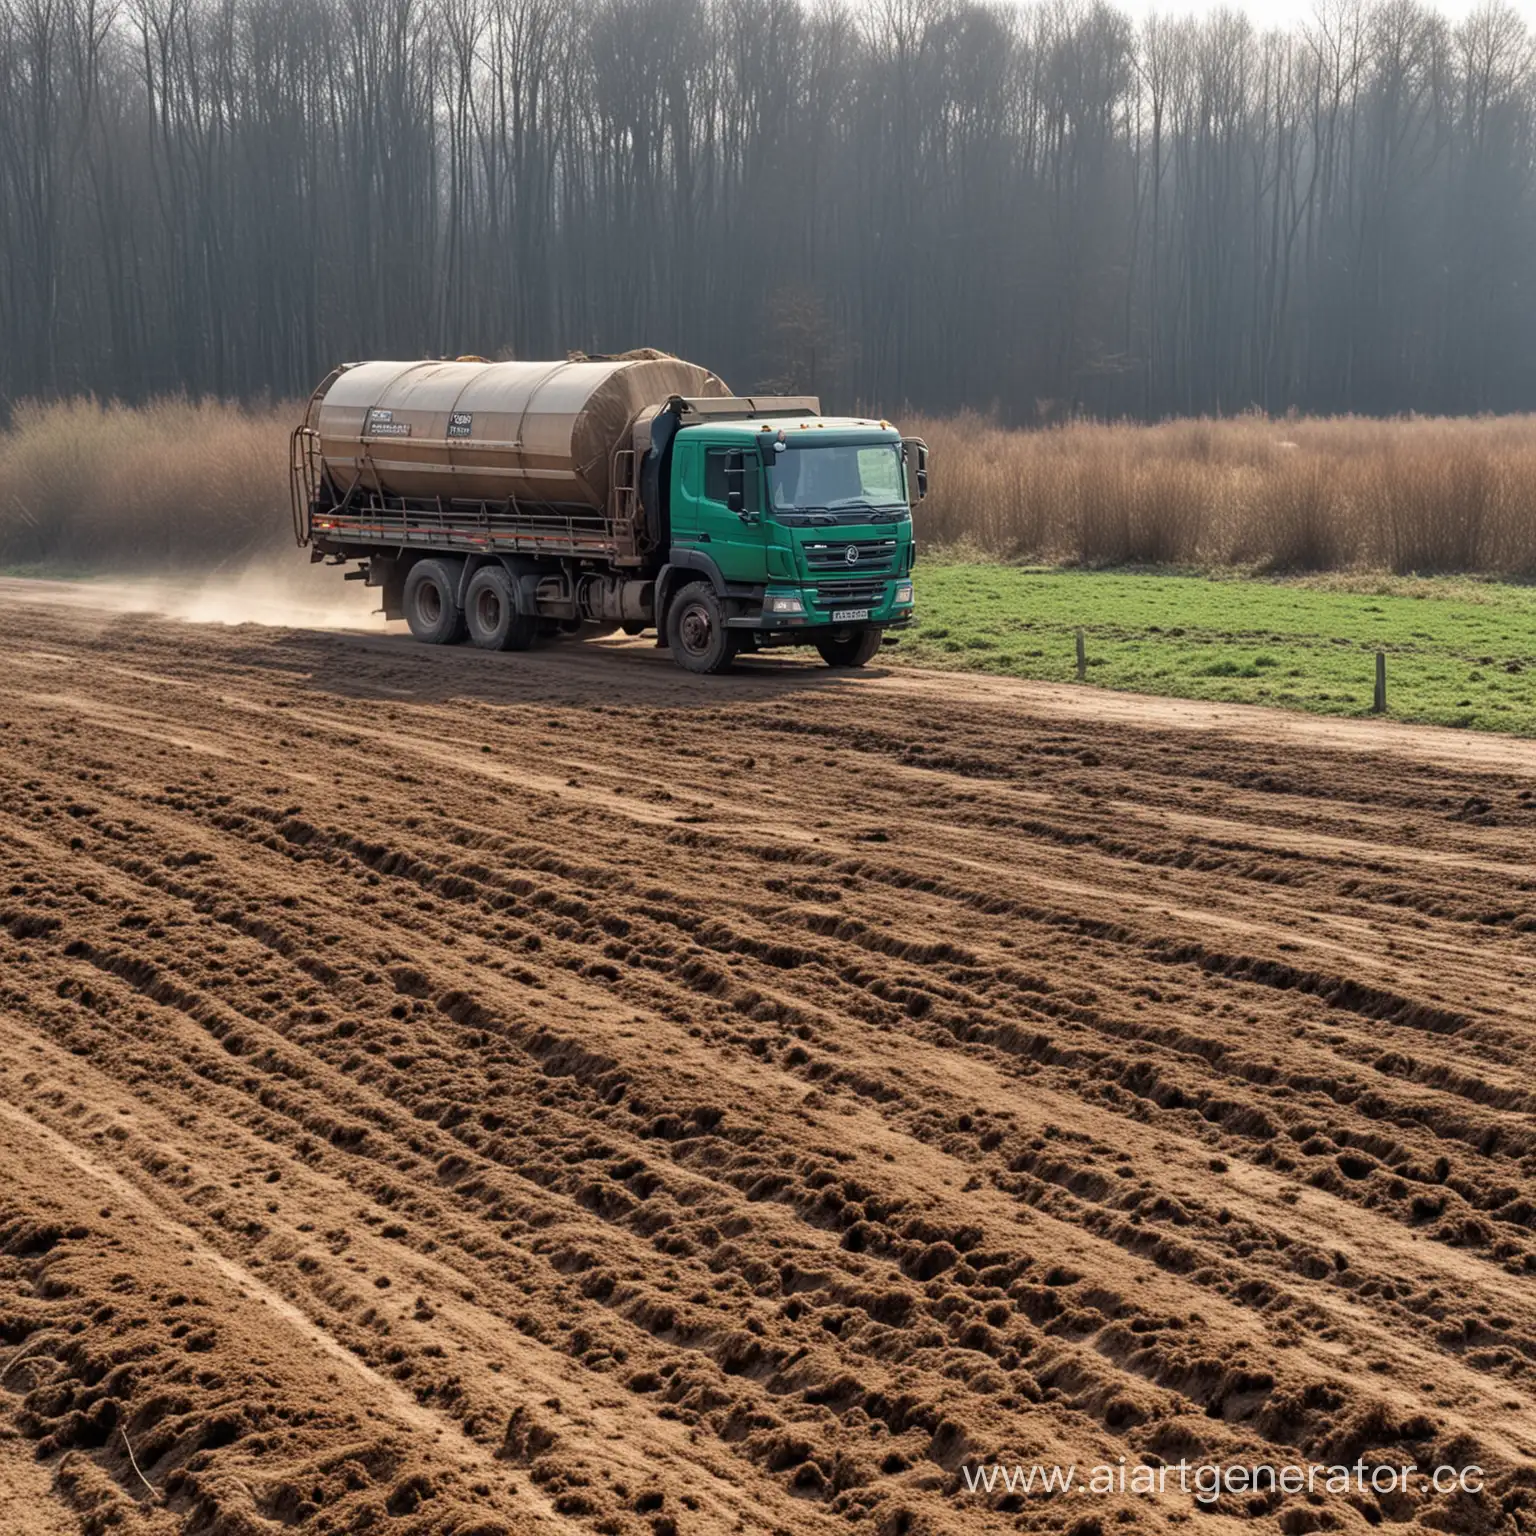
[
  {"x": 828, "y": 555},
  {"x": 850, "y": 594}
]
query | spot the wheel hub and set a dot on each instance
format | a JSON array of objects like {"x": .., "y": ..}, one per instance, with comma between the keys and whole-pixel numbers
[{"x": 696, "y": 628}]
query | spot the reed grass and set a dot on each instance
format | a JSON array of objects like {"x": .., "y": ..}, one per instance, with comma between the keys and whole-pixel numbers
[
  {"x": 1412, "y": 495},
  {"x": 175, "y": 484},
  {"x": 196, "y": 484}
]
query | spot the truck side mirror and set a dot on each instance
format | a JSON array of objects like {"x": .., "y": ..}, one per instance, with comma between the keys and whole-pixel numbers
[{"x": 916, "y": 453}]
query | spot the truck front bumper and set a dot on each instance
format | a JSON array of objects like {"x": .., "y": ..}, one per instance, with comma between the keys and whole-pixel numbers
[{"x": 814, "y": 622}]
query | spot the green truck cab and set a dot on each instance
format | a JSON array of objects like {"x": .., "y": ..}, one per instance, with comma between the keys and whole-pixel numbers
[
  {"x": 802, "y": 526},
  {"x": 505, "y": 502}
]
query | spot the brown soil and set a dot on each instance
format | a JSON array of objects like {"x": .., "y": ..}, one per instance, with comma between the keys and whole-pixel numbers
[{"x": 462, "y": 1093}]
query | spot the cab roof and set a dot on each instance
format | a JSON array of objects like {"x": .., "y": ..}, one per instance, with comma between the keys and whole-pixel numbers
[{"x": 799, "y": 428}]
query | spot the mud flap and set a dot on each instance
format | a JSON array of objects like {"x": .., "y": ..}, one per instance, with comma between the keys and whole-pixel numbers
[{"x": 388, "y": 574}]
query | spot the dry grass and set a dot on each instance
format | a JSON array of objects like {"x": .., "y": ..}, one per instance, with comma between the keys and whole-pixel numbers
[
  {"x": 175, "y": 483},
  {"x": 199, "y": 485},
  {"x": 1428, "y": 495}
]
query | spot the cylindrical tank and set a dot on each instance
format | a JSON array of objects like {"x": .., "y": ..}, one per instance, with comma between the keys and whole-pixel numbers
[{"x": 543, "y": 433}]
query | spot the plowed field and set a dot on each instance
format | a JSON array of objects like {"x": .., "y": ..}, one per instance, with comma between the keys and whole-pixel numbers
[{"x": 462, "y": 1093}]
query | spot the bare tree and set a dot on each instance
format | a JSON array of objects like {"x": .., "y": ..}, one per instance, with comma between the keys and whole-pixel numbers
[{"x": 927, "y": 202}]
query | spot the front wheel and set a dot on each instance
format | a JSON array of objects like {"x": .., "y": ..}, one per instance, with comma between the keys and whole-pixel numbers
[
  {"x": 696, "y": 630},
  {"x": 851, "y": 651}
]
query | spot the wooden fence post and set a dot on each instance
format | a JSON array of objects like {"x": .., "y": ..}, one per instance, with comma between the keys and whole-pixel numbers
[
  {"x": 1082, "y": 659},
  {"x": 1379, "y": 705}
]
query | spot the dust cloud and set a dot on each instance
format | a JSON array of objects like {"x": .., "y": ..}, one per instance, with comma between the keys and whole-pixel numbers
[{"x": 283, "y": 594}]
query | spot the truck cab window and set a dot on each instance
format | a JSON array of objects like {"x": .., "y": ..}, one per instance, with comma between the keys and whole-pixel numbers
[
  {"x": 716, "y": 483},
  {"x": 829, "y": 477}
]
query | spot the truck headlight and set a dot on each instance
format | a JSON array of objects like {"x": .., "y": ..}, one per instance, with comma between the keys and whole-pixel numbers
[
  {"x": 785, "y": 605},
  {"x": 904, "y": 592}
]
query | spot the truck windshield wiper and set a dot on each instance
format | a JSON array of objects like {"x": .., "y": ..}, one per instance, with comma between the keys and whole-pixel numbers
[
  {"x": 843, "y": 513},
  {"x": 871, "y": 507}
]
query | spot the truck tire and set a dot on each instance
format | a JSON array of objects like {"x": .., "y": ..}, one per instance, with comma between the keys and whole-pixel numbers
[
  {"x": 855, "y": 651},
  {"x": 495, "y": 616},
  {"x": 431, "y": 609},
  {"x": 696, "y": 632}
]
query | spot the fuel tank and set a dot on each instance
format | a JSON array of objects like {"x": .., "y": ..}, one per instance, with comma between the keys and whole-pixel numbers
[{"x": 540, "y": 433}]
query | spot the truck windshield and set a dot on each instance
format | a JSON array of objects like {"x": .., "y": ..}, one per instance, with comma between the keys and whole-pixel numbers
[{"x": 851, "y": 477}]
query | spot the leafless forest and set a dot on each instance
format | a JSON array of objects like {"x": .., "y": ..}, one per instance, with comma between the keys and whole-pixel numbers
[{"x": 930, "y": 203}]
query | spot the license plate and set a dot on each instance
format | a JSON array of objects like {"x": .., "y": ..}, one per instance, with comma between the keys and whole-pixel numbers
[{"x": 849, "y": 615}]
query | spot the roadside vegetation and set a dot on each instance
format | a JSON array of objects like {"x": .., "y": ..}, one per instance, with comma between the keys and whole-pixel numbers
[
  {"x": 196, "y": 483},
  {"x": 1425, "y": 495},
  {"x": 176, "y": 485},
  {"x": 1459, "y": 652}
]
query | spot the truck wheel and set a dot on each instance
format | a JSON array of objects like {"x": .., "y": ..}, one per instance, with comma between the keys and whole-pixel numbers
[
  {"x": 855, "y": 651},
  {"x": 496, "y": 621},
  {"x": 696, "y": 630},
  {"x": 431, "y": 609}
]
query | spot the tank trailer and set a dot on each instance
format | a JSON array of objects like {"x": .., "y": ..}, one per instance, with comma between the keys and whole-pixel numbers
[{"x": 499, "y": 502}]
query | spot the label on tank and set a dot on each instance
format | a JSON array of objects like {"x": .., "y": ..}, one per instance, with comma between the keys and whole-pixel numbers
[
  {"x": 460, "y": 423},
  {"x": 383, "y": 424}
]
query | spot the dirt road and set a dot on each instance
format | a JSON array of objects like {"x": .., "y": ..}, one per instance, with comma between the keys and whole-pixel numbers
[{"x": 449, "y": 1092}]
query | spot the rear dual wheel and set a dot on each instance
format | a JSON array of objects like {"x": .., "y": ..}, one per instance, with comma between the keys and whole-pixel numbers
[
  {"x": 495, "y": 614},
  {"x": 431, "y": 602}
]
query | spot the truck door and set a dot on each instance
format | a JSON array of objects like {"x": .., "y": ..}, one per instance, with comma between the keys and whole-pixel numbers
[{"x": 711, "y": 522}]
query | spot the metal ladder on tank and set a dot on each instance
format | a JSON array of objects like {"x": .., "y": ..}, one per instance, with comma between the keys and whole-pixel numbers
[
  {"x": 626, "y": 516},
  {"x": 304, "y": 463}
]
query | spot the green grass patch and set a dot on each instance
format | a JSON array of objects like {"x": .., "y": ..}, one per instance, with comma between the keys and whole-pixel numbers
[{"x": 1459, "y": 652}]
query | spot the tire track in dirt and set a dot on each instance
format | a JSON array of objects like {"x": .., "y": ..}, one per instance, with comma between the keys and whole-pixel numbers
[
  {"x": 399, "y": 1405},
  {"x": 812, "y": 1086},
  {"x": 534, "y": 1375},
  {"x": 108, "y": 1412}
]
